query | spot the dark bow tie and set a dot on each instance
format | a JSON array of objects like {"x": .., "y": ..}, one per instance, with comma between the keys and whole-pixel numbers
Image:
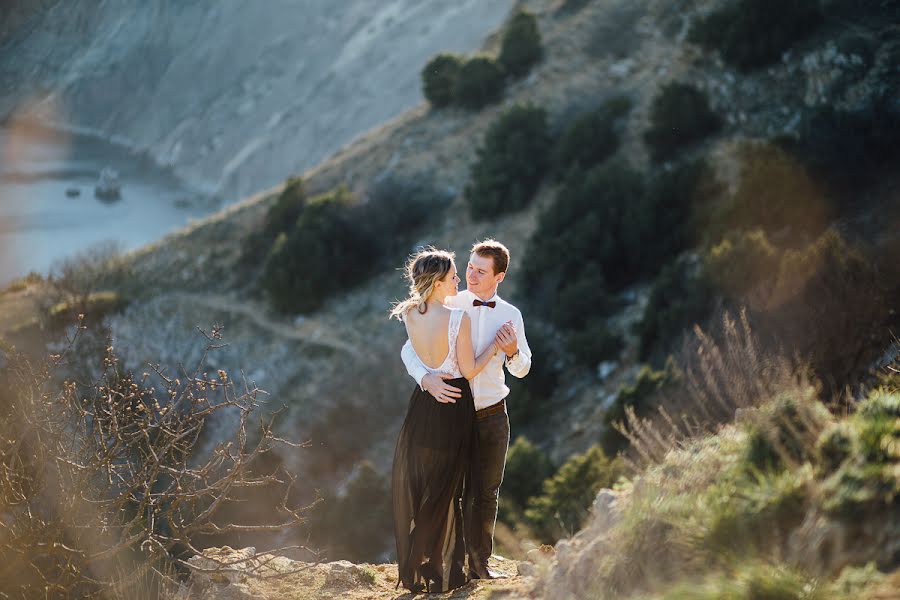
[{"x": 490, "y": 304}]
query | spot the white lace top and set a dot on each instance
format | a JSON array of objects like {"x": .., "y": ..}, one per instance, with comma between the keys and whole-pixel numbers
[{"x": 450, "y": 366}]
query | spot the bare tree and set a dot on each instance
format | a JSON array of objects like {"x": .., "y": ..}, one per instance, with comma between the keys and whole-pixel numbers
[{"x": 101, "y": 493}]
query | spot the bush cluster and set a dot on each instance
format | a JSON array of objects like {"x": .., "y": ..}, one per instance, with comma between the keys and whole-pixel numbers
[
  {"x": 848, "y": 149},
  {"x": 773, "y": 192},
  {"x": 510, "y": 163},
  {"x": 561, "y": 508},
  {"x": 475, "y": 82},
  {"x": 823, "y": 299},
  {"x": 681, "y": 297},
  {"x": 439, "y": 79},
  {"x": 526, "y": 469},
  {"x": 479, "y": 82},
  {"x": 606, "y": 229},
  {"x": 641, "y": 396},
  {"x": 532, "y": 392},
  {"x": 338, "y": 240},
  {"x": 744, "y": 495},
  {"x": 592, "y": 137},
  {"x": 680, "y": 116},
  {"x": 521, "y": 47},
  {"x": 753, "y": 33}
]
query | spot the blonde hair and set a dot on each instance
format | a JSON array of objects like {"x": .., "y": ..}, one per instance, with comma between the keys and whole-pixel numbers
[{"x": 423, "y": 270}]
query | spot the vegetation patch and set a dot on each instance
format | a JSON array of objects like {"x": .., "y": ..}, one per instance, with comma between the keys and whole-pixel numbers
[
  {"x": 439, "y": 79},
  {"x": 593, "y": 137},
  {"x": 510, "y": 164},
  {"x": 339, "y": 240},
  {"x": 480, "y": 82},
  {"x": 753, "y": 33},
  {"x": 679, "y": 117},
  {"x": 562, "y": 506},
  {"x": 521, "y": 47}
]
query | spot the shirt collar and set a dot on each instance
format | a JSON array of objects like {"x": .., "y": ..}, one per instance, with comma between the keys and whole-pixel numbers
[{"x": 494, "y": 298}]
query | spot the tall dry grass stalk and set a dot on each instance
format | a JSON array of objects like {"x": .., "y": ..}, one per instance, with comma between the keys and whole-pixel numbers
[
  {"x": 101, "y": 492},
  {"x": 723, "y": 376}
]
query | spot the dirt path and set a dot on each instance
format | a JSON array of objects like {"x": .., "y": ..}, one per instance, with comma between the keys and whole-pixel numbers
[{"x": 309, "y": 331}]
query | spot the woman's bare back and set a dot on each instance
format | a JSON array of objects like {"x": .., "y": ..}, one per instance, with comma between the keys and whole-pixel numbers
[{"x": 428, "y": 334}]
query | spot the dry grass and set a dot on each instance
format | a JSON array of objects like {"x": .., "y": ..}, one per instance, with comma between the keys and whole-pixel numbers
[{"x": 724, "y": 374}]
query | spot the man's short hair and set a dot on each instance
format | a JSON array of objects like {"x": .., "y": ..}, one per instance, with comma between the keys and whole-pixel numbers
[{"x": 495, "y": 250}]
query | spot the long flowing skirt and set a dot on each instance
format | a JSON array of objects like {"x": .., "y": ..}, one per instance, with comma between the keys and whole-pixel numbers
[{"x": 433, "y": 483}]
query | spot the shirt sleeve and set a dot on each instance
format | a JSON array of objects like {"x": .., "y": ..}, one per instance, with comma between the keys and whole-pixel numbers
[
  {"x": 521, "y": 364},
  {"x": 414, "y": 366}
]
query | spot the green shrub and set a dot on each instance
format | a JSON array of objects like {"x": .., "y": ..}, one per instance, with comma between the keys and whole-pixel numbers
[
  {"x": 676, "y": 197},
  {"x": 593, "y": 137},
  {"x": 753, "y": 33},
  {"x": 599, "y": 217},
  {"x": 593, "y": 343},
  {"x": 741, "y": 262},
  {"x": 680, "y": 116},
  {"x": 879, "y": 427},
  {"x": 880, "y": 403},
  {"x": 752, "y": 582},
  {"x": 748, "y": 513},
  {"x": 592, "y": 240},
  {"x": 394, "y": 211},
  {"x": 281, "y": 217},
  {"x": 528, "y": 396},
  {"x": 510, "y": 163},
  {"x": 479, "y": 83},
  {"x": 327, "y": 251},
  {"x": 340, "y": 240},
  {"x": 682, "y": 296},
  {"x": 526, "y": 469},
  {"x": 836, "y": 444},
  {"x": 642, "y": 396},
  {"x": 773, "y": 192},
  {"x": 786, "y": 430},
  {"x": 439, "y": 79},
  {"x": 521, "y": 46},
  {"x": 848, "y": 149},
  {"x": 566, "y": 498}
]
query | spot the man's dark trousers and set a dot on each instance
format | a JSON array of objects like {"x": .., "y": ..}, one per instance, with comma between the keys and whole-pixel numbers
[{"x": 493, "y": 441}]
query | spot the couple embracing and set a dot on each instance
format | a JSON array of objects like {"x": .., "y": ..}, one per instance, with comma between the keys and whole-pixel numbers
[{"x": 451, "y": 451}]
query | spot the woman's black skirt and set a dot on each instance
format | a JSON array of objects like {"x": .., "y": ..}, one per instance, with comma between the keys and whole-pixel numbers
[{"x": 433, "y": 482}]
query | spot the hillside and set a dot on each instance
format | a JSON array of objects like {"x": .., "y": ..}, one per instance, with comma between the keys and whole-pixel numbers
[
  {"x": 784, "y": 204},
  {"x": 233, "y": 97}
]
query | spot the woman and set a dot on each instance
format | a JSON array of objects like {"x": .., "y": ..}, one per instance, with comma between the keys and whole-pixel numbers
[{"x": 432, "y": 475}]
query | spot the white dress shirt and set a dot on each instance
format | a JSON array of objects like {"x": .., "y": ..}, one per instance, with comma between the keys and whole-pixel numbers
[{"x": 489, "y": 386}]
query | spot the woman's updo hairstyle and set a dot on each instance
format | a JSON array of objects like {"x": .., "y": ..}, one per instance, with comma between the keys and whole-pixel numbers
[{"x": 423, "y": 270}]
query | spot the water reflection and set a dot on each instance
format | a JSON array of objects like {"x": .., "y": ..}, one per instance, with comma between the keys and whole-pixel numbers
[{"x": 49, "y": 209}]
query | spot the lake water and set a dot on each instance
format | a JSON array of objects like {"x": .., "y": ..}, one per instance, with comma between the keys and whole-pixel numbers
[{"x": 40, "y": 224}]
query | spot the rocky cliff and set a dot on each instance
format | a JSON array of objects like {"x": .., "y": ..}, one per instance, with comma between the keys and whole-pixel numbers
[{"x": 235, "y": 96}]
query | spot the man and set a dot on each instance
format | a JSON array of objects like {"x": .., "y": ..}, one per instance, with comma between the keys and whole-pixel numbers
[{"x": 492, "y": 319}]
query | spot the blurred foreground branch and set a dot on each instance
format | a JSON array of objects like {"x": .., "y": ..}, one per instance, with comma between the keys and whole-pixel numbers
[{"x": 102, "y": 490}]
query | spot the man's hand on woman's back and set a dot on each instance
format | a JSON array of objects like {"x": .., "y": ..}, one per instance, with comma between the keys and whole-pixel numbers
[{"x": 436, "y": 385}]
